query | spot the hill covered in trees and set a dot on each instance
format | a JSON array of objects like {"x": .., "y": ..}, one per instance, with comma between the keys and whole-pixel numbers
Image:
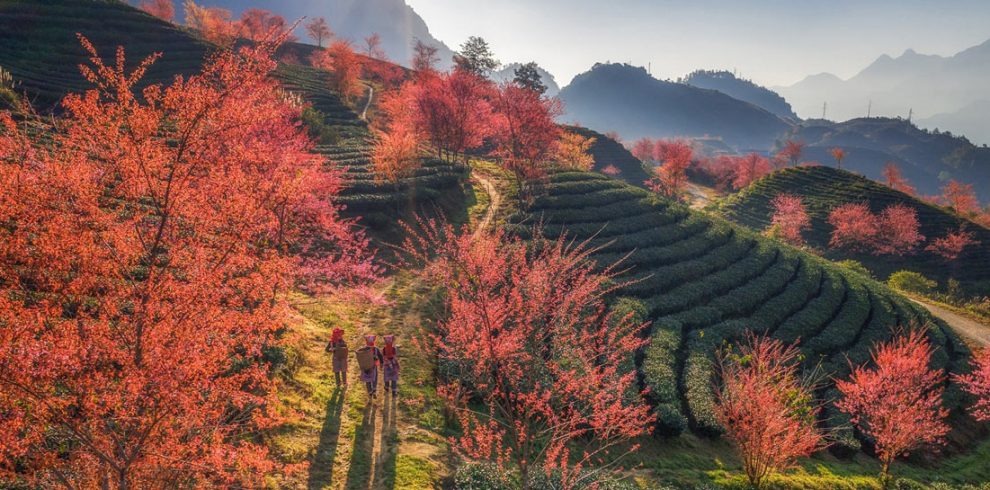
[
  {"x": 728, "y": 83},
  {"x": 44, "y": 62},
  {"x": 927, "y": 159},
  {"x": 626, "y": 99},
  {"x": 703, "y": 282},
  {"x": 823, "y": 189}
]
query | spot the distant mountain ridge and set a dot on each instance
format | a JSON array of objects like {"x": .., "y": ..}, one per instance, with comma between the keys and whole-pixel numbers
[
  {"x": 394, "y": 20},
  {"x": 626, "y": 99},
  {"x": 728, "y": 83},
  {"x": 926, "y": 158},
  {"x": 926, "y": 85}
]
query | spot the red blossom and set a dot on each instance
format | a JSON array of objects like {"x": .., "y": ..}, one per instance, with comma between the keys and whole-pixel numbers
[
  {"x": 951, "y": 246},
  {"x": 789, "y": 219},
  {"x": 961, "y": 198},
  {"x": 790, "y": 153},
  {"x": 897, "y": 400},
  {"x": 898, "y": 231},
  {"x": 528, "y": 335},
  {"x": 977, "y": 383},
  {"x": 147, "y": 244},
  {"x": 854, "y": 226},
  {"x": 671, "y": 176},
  {"x": 767, "y": 410},
  {"x": 893, "y": 178},
  {"x": 163, "y": 9}
]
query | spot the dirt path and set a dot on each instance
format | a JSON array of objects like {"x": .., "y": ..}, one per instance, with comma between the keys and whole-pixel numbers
[
  {"x": 367, "y": 105},
  {"x": 494, "y": 202},
  {"x": 700, "y": 196},
  {"x": 341, "y": 438},
  {"x": 968, "y": 328}
]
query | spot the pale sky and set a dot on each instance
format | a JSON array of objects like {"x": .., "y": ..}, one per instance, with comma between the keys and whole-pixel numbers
[{"x": 773, "y": 42}]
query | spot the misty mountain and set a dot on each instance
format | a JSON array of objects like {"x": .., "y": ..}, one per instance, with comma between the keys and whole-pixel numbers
[
  {"x": 508, "y": 72},
  {"x": 626, "y": 99},
  {"x": 396, "y": 22},
  {"x": 926, "y": 84},
  {"x": 927, "y": 159},
  {"x": 745, "y": 90},
  {"x": 973, "y": 121}
]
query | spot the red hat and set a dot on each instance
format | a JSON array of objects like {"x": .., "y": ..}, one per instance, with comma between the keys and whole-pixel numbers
[{"x": 336, "y": 335}]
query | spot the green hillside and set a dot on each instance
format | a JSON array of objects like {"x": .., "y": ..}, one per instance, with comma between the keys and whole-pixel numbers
[
  {"x": 703, "y": 282},
  {"x": 824, "y": 188},
  {"x": 40, "y": 50}
]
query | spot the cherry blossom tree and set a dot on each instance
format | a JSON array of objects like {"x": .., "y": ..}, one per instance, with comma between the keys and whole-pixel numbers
[
  {"x": 977, "y": 383},
  {"x": 214, "y": 24},
  {"x": 671, "y": 176},
  {"x": 163, "y": 9},
  {"x": 893, "y": 178},
  {"x": 263, "y": 25},
  {"x": 611, "y": 170},
  {"x": 897, "y": 231},
  {"x": 318, "y": 29},
  {"x": 789, "y": 219},
  {"x": 854, "y": 227},
  {"x": 961, "y": 198},
  {"x": 643, "y": 149},
  {"x": 767, "y": 409},
  {"x": 748, "y": 169},
  {"x": 897, "y": 400},
  {"x": 373, "y": 47},
  {"x": 839, "y": 155},
  {"x": 148, "y": 241},
  {"x": 574, "y": 152},
  {"x": 951, "y": 246},
  {"x": 529, "y": 336},
  {"x": 525, "y": 131},
  {"x": 791, "y": 153},
  {"x": 425, "y": 57},
  {"x": 345, "y": 66}
]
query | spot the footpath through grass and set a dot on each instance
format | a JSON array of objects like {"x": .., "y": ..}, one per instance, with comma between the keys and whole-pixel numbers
[{"x": 348, "y": 441}]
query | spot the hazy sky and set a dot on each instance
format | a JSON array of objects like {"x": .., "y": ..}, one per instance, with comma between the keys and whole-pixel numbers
[{"x": 773, "y": 42}]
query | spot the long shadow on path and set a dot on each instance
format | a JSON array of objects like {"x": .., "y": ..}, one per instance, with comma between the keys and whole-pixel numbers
[
  {"x": 389, "y": 447},
  {"x": 361, "y": 472},
  {"x": 321, "y": 467}
]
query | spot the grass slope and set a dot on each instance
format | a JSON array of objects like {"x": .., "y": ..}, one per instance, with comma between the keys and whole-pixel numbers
[
  {"x": 704, "y": 282},
  {"x": 825, "y": 188},
  {"x": 342, "y": 439}
]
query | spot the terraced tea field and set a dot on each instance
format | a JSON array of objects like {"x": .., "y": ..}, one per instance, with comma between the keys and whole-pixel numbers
[
  {"x": 41, "y": 51},
  {"x": 377, "y": 202},
  {"x": 824, "y": 188},
  {"x": 608, "y": 151},
  {"x": 704, "y": 282}
]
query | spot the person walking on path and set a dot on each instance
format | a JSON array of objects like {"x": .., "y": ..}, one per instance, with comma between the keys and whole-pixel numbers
[
  {"x": 391, "y": 365},
  {"x": 337, "y": 348},
  {"x": 370, "y": 376}
]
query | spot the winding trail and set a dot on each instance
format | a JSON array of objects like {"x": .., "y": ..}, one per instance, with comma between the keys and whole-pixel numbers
[
  {"x": 968, "y": 328},
  {"x": 494, "y": 201},
  {"x": 367, "y": 105}
]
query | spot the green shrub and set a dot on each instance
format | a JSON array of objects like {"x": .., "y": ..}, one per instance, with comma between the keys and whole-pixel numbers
[
  {"x": 482, "y": 476},
  {"x": 911, "y": 282},
  {"x": 855, "y": 266},
  {"x": 316, "y": 126}
]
